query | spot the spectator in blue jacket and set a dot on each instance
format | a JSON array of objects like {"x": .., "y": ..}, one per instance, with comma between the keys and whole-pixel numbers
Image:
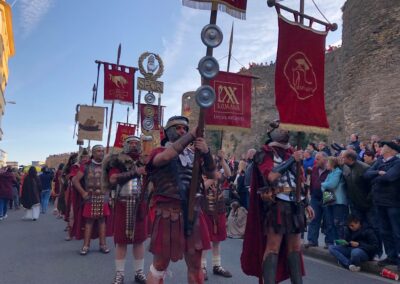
[
  {"x": 337, "y": 212},
  {"x": 384, "y": 176},
  {"x": 45, "y": 179}
]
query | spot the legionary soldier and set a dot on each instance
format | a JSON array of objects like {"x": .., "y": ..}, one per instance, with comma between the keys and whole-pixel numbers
[
  {"x": 74, "y": 199},
  {"x": 215, "y": 216},
  {"x": 95, "y": 209},
  {"x": 281, "y": 215},
  {"x": 170, "y": 171},
  {"x": 123, "y": 174}
]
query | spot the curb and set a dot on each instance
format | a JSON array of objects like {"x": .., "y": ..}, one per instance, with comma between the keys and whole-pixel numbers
[{"x": 323, "y": 254}]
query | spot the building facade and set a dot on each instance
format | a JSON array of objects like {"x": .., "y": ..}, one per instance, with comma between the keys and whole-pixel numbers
[{"x": 6, "y": 51}]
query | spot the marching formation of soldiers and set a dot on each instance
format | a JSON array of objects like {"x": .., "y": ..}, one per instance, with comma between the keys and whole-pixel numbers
[{"x": 132, "y": 196}]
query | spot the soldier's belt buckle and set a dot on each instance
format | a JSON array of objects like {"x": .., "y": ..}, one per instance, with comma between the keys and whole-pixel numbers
[{"x": 284, "y": 189}]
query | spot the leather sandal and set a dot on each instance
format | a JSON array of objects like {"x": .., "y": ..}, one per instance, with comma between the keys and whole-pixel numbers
[
  {"x": 84, "y": 250},
  {"x": 104, "y": 249},
  {"x": 219, "y": 270},
  {"x": 140, "y": 277}
]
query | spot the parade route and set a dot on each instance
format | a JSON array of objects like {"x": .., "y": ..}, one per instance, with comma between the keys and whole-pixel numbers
[{"x": 35, "y": 252}]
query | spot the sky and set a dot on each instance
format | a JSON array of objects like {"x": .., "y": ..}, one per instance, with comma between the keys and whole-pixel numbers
[{"x": 57, "y": 42}]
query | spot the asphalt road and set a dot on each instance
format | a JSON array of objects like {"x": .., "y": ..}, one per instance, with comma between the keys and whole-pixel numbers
[{"x": 35, "y": 252}]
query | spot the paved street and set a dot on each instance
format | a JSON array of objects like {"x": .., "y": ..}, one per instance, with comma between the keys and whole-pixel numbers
[{"x": 35, "y": 252}]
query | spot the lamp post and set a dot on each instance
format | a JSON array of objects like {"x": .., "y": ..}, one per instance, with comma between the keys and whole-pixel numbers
[{"x": 11, "y": 102}]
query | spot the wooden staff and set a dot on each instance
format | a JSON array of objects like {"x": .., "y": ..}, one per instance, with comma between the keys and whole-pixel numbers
[
  {"x": 196, "y": 174},
  {"x": 112, "y": 105}
]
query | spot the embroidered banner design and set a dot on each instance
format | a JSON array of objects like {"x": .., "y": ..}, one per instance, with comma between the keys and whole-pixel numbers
[
  {"x": 119, "y": 84},
  {"x": 91, "y": 121},
  {"x": 232, "y": 107},
  {"x": 299, "y": 78}
]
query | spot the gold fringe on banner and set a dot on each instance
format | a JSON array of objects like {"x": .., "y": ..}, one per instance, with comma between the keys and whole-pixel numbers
[
  {"x": 305, "y": 128},
  {"x": 229, "y": 128},
  {"x": 222, "y": 6}
]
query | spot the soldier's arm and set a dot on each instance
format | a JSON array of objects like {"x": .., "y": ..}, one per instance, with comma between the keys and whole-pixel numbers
[
  {"x": 77, "y": 184},
  {"x": 122, "y": 178},
  {"x": 174, "y": 150}
]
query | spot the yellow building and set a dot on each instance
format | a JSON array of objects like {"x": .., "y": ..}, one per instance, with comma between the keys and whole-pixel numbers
[{"x": 6, "y": 50}]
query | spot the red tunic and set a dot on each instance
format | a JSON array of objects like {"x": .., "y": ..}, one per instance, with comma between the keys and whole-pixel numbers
[
  {"x": 141, "y": 222},
  {"x": 168, "y": 238},
  {"x": 78, "y": 228}
]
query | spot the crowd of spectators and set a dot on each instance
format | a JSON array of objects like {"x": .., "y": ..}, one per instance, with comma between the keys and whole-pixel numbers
[
  {"x": 28, "y": 189},
  {"x": 357, "y": 183}
]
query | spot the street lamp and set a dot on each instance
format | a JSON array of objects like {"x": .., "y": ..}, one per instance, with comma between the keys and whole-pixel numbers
[{"x": 11, "y": 102}]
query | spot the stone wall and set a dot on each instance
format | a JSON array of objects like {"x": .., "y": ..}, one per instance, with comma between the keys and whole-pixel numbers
[{"x": 371, "y": 67}]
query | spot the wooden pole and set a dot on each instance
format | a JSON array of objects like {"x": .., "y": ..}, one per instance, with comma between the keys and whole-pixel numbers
[
  {"x": 195, "y": 182},
  {"x": 112, "y": 106},
  {"x": 94, "y": 90},
  {"x": 227, "y": 70},
  {"x": 127, "y": 115},
  {"x": 299, "y": 133},
  {"x": 301, "y": 12}
]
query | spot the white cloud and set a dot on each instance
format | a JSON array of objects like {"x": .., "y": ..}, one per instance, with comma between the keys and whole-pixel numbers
[{"x": 32, "y": 12}]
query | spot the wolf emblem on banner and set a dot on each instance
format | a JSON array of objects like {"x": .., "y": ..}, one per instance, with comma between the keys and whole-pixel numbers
[
  {"x": 300, "y": 75},
  {"x": 118, "y": 81}
]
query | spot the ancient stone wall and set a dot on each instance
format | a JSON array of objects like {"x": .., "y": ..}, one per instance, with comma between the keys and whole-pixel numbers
[{"x": 371, "y": 67}]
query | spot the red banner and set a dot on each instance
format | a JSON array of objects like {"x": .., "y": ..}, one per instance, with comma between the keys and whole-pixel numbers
[
  {"x": 149, "y": 117},
  {"x": 119, "y": 84},
  {"x": 299, "y": 78},
  {"x": 235, "y": 8},
  {"x": 232, "y": 107},
  {"x": 123, "y": 130}
]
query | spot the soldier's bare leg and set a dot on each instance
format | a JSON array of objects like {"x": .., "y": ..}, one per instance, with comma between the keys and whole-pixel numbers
[
  {"x": 294, "y": 257},
  {"x": 157, "y": 270},
  {"x": 270, "y": 262},
  {"x": 193, "y": 262}
]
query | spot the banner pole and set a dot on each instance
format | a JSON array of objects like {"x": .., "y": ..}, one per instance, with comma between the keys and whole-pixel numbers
[
  {"x": 227, "y": 70},
  {"x": 301, "y": 11},
  {"x": 196, "y": 174},
  {"x": 138, "y": 113},
  {"x": 112, "y": 106},
  {"x": 127, "y": 115}
]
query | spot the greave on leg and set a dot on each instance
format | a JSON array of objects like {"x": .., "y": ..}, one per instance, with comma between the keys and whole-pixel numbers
[
  {"x": 270, "y": 265},
  {"x": 294, "y": 264}
]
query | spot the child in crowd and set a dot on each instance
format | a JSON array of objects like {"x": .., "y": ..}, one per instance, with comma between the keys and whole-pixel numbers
[{"x": 360, "y": 244}]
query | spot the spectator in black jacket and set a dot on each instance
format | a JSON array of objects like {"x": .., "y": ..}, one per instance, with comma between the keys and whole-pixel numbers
[
  {"x": 384, "y": 176},
  {"x": 361, "y": 244},
  {"x": 318, "y": 175}
]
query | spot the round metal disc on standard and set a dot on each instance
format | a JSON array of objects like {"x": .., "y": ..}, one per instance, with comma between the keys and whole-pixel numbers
[
  {"x": 208, "y": 67},
  {"x": 148, "y": 111},
  {"x": 148, "y": 123},
  {"x": 149, "y": 98},
  {"x": 211, "y": 35},
  {"x": 205, "y": 96}
]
